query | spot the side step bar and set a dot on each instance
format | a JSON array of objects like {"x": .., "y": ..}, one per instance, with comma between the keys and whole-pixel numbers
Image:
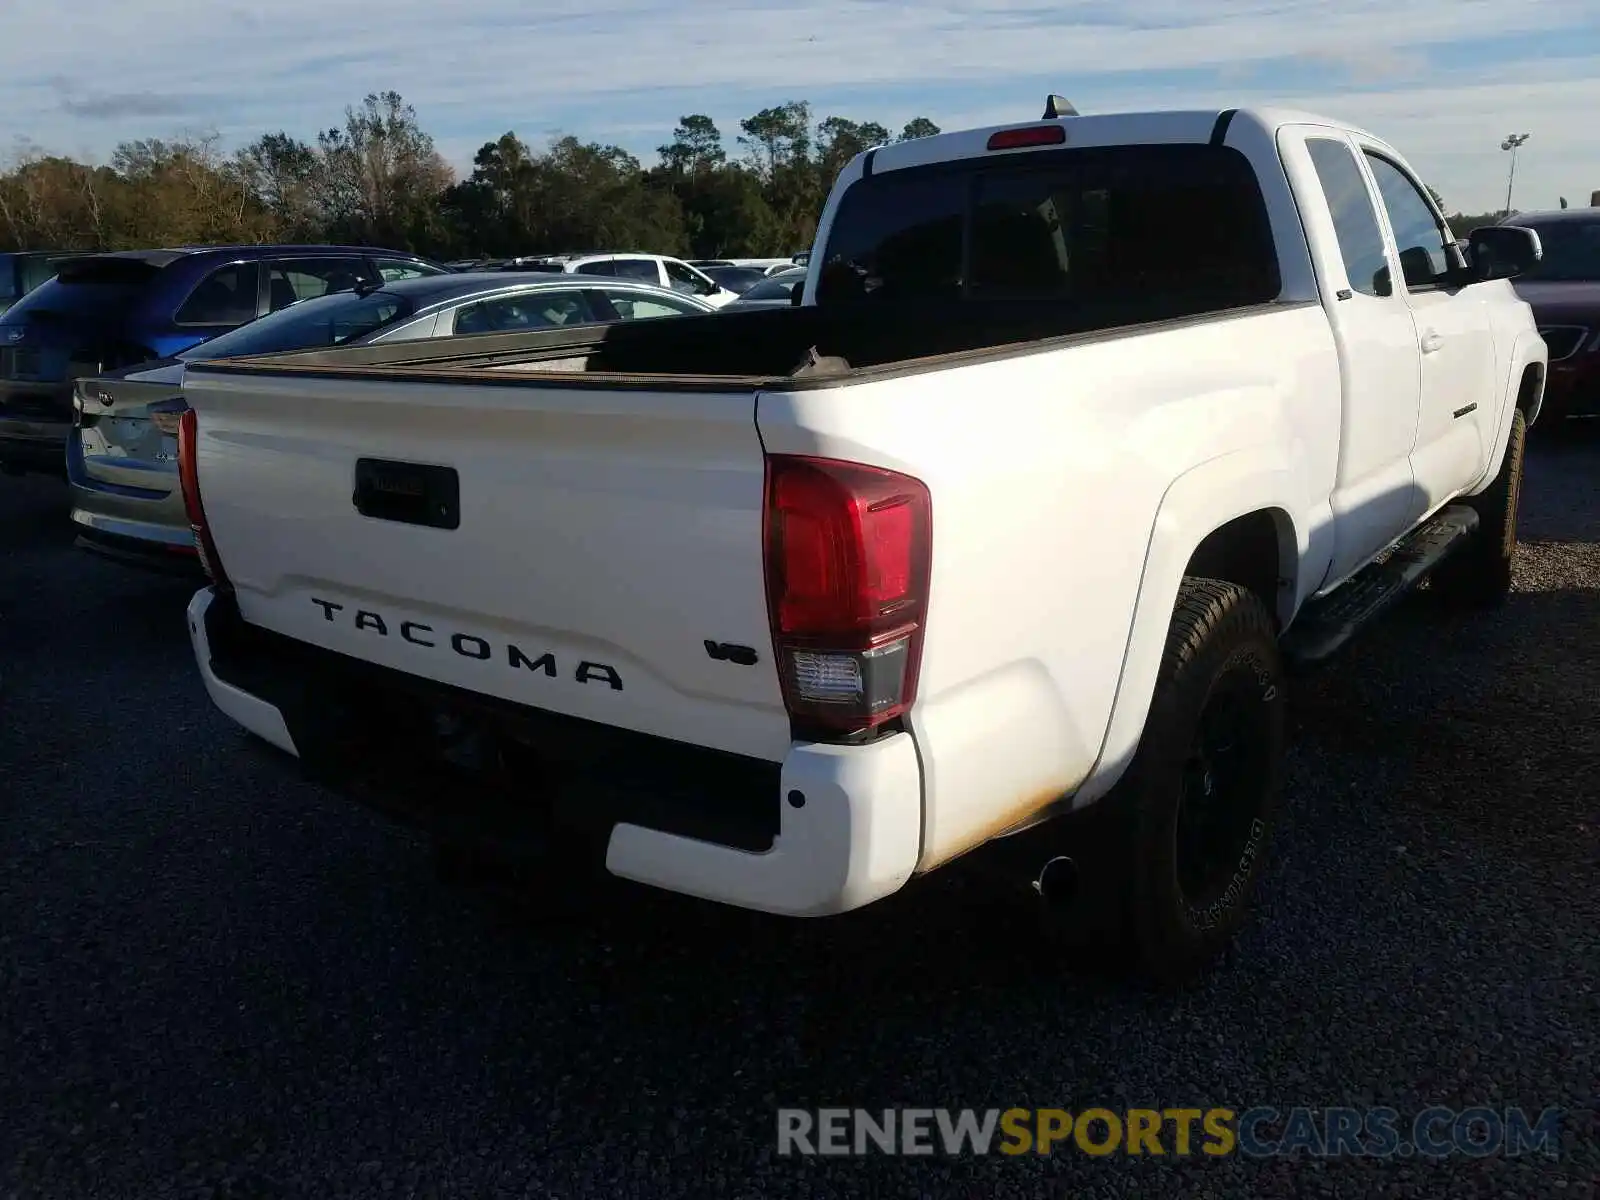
[{"x": 1326, "y": 626}]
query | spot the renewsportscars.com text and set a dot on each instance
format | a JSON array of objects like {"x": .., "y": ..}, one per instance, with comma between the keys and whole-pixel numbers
[{"x": 1172, "y": 1132}]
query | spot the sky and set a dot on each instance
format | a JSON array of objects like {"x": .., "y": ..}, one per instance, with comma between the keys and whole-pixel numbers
[{"x": 1443, "y": 80}]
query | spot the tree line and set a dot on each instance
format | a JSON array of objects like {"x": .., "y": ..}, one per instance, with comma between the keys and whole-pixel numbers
[{"x": 379, "y": 179}]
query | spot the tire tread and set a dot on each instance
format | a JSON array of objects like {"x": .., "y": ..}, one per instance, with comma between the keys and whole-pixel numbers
[{"x": 1206, "y": 611}]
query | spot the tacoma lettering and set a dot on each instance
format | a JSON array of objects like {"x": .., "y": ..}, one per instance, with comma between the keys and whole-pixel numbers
[
  {"x": 472, "y": 646},
  {"x": 545, "y": 662},
  {"x": 459, "y": 642}
]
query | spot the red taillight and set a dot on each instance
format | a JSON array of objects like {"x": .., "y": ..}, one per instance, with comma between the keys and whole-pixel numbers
[
  {"x": 1031, "y": 135},
  {"x": 189, "y": 481},
  {"x": 848, "y": 555}
]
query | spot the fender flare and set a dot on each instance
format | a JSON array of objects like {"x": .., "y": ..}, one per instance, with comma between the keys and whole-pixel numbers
[
  {"x": 1528, "y": 351},
  {"x": 1524, "y": 354},
  {"x": 1196, "y": 504}
]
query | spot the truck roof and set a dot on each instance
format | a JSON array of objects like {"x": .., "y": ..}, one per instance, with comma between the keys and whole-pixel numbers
[{"x": 1104, "y": 129}]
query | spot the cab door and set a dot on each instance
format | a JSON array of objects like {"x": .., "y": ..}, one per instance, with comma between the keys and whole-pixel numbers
[
  {"x": 1374, "y": 498},
  {"x": 1454, "y": 334}
]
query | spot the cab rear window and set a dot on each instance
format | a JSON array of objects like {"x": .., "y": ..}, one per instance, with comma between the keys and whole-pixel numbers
[{"x": 1168, "y": 229}]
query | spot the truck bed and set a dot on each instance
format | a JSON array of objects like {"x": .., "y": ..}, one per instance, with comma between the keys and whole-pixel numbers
[{"x": 767, "y": 348}]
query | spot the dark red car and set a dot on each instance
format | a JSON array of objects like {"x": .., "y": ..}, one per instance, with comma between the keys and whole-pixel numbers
[{"x": 1564, "y": 293}]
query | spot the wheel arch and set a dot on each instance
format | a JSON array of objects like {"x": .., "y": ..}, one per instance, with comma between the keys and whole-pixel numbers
[
  {"x": 1530, "y": 391},
  {"x": 1524, "y": 393},
  {"x": 1237, "y": 518}
]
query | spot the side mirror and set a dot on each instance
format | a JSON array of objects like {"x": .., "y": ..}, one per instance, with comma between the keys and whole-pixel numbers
[
  {"x": 1503, "y": 251},
  {"x": 797, "y": 295}
]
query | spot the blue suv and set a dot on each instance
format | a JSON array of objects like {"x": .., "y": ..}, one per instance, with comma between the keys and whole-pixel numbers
[{"x": 106, "y": 311}]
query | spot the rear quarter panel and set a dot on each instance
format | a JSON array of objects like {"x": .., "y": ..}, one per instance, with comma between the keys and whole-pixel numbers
[{"x": 1069, "y": 489}]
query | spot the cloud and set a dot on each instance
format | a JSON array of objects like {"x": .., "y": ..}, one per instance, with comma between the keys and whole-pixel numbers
[
  {"x": 121, "y": 105},
  {"x": 77, "y": 101},
  {"x": 1370, "y": 65},
  {"x": 1434, "y": 74}
]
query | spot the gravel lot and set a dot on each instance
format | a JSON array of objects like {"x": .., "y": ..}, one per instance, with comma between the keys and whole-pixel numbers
[{"x": 216, "y": 980}]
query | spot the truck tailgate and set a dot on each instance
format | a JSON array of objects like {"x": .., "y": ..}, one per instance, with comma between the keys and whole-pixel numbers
[{"x": 605, "y": 555}]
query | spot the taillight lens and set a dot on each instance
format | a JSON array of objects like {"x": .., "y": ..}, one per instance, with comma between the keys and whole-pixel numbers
[
  {"x": 189, "y": 481},
  {"x": 848, "y": 556}
]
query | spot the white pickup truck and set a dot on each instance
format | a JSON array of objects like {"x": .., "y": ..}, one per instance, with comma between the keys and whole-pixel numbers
[{"x": 1083, "y": 433}]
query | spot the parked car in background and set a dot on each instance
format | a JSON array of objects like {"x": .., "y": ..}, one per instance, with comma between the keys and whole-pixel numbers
[
  {"x": 736, "y": 279},
  {"x": 774, "y": 291},
  {"x": 764, "y": 265},
  {"x": 1563, "y": 290},
  {"x": 122, "y": 453},
  {"x": 23, "y": 270},
  {"x": 103, "y": 312},
  {"x": 658, "y": 269}
]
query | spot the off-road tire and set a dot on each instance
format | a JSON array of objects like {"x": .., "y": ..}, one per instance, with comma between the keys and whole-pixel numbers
[
  {"x": 1478, "y": 574},
  {"x": 1222, "y": 645}
]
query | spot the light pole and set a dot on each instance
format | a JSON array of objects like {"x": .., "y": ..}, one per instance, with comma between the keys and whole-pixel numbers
[{"x": 1511, "y": 143}]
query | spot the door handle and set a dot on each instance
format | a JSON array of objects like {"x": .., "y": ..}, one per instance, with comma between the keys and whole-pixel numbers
[{"x": 1431, "y": 341}]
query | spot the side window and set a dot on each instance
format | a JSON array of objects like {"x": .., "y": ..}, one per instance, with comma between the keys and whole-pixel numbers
[
  {"x": 681, "y": 279},
  {"x": 631, "y": 306},
  {"x": 527, "y": 310},
  {"x": 307, "y": 278},
  {"x": 600, "y": 266},
  {"x": 398, "y": 268},
  {"x": 1417, "y": 235},
  {"x": 410, "y": 332},
  {"x": 227, "y": 296},
  {"x": 644, "y": 269},
  {"x": 1355, "y": 221}
]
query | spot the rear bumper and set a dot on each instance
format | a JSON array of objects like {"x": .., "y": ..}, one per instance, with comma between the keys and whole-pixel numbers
[
  {"x": 829, "y": 829},
  {"x": 33, "y": 444},
  {"x": 100, "y": 537},
  {"x": 34, "y": 421},
  {"x": 146, "y": 527}
]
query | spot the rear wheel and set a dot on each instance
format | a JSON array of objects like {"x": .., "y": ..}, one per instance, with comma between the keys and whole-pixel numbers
[
  {"x": 1479, "y": 573},
  {"x": 1191, "y": 821}
]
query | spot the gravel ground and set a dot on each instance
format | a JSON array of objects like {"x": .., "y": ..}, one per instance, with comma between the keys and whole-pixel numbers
[{"x": 220, "y": 981}]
